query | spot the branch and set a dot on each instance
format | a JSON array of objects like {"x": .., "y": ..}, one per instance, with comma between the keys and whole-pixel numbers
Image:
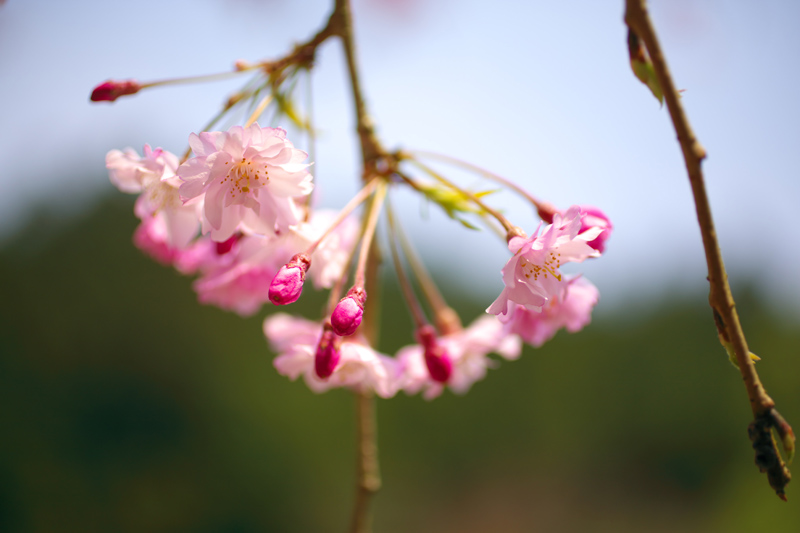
[
  {"x": 372, "y": 153},
  {"x": 720, "y": 298}
]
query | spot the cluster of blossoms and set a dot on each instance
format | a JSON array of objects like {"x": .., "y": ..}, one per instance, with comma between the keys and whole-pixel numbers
[{"x": 238, "y": 215}]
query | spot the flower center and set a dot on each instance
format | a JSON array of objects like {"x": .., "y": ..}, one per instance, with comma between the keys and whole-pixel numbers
[
  {"x": 244, "y": 176},
  {"x": 551, "y": 265}
]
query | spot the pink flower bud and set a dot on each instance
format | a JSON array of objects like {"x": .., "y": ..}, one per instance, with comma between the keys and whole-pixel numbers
[
  {"x": 546, "y": 212},
  {"x": 349, "y": 311},
  {"x": 439, "y": 364},
  {"x": 225, "y": 246},
  {"x": 592, "y": 217},
  {"x": 111, "y": 90},
  {"x": 287, "y": 285},
  {"x": 328, "y": 354}
]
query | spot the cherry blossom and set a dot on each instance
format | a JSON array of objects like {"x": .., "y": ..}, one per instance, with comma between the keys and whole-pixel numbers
[
  {"x": 532, "y": 276},
  {"x": 240, "y": 279},
  {"x": 572, "y": 312},
  {"x": 153, "y": 176},
  {"x": 360, "y": 367},
  {"x": 246, "y": 176},
  {"x": 468, "y": 351},
  {"x": 592, "y": 217}
]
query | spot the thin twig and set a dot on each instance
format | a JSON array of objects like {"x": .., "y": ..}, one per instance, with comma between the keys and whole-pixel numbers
[
  {"x": 414, "y": 306},
  {"x": 720, "y": 297}
]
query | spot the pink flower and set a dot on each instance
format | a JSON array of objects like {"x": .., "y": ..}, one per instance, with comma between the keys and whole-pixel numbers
[
  {"x": 467, "y": 350},
  {"x": 360, "y": 367},
  {"x": 153, "y": 175},
  {"x": 247, "y": 176},
  {"x": 240, "y": 279},
  {"x": 572, "y": 312},
  {"x": 151, "y": 238},
  {"x": 592, "y": 217},
  {"x": 133, "y": 173},
  {"x": 532, "y": 276}
]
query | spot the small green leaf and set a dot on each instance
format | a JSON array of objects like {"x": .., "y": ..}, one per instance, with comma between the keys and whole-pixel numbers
[
  {"x": 732, "y": 355},
  {"x": 642, "y": 66},
  {"x": 454, "y": 202},
  {"x": 287, "y": 108},
  {"x": 467, "y": 224}
]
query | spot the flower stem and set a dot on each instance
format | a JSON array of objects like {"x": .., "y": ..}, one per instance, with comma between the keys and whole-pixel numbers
[
  {"x": 417, "y": 314},
  {"x": 262, "y": 105},
  {"x": 369, "y": 233},
  {"x": 195, "y": 79},
  {"x": 720, "y": 298},
  {"x": 354, "y": 202},
  {"x": 445, "y": 317}
]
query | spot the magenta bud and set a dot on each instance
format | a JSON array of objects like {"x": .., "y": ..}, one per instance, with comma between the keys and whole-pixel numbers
[
  {"x": 439, "y": 364},
  {"x": 227, "y": 245},
  {"x": 546, "y": 212},
  {"x": 111, "y": 90},
  {"x": 440, "y": 367},
  {"x": 328, "y": 354},
  {"x": 349, "y": 311},
  {"x": 287, "y": 285},
  {"x": 592, "y": 217}
]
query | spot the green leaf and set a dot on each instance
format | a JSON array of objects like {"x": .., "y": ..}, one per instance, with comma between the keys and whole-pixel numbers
[
  {"x": 732, "y": 355},
  {"x": 642, "y": 66},
  {"x": 454, "y": 202}
]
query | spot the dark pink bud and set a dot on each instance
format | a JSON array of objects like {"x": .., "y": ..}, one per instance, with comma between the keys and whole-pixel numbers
[
  {"x": 592, "y": 217},
  {"x": 287, "y": 285},
  {"x": 111, "y": 90},
  {"x": 328, "y": 354},
  {"x": 546, "y": 212},
  {"x": 349, "y": 311},
  {"x": 439, "y": 364},
  {"x": 225, "y": 246}
]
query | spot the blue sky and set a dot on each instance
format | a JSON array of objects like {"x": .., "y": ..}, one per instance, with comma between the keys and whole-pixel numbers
[{"x": 540, "y": 92}]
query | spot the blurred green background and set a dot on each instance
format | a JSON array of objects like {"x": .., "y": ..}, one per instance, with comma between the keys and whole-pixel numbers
[{"x": 126, "y": 406}]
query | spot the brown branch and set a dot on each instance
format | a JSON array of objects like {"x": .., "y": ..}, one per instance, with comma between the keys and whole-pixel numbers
[
  {"x": 368, "y": 472},
  {"x": 371, "y": 150},
  {"x": 368, "y": 476},
  {"x": 720, "y": 298}
]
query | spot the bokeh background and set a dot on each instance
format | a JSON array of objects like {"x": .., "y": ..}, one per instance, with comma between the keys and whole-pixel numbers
[{"x": 125, "y": 406}]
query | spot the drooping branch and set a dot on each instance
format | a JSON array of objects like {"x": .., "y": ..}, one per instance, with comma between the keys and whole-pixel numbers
[
  {"x": 730, "y": 331},
  {"x": 368, "y": 478}
]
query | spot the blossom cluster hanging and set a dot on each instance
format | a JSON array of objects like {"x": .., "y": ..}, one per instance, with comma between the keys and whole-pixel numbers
[
  {"x": 236, "y": 211},
  {"x": 237, "y": 214}
]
